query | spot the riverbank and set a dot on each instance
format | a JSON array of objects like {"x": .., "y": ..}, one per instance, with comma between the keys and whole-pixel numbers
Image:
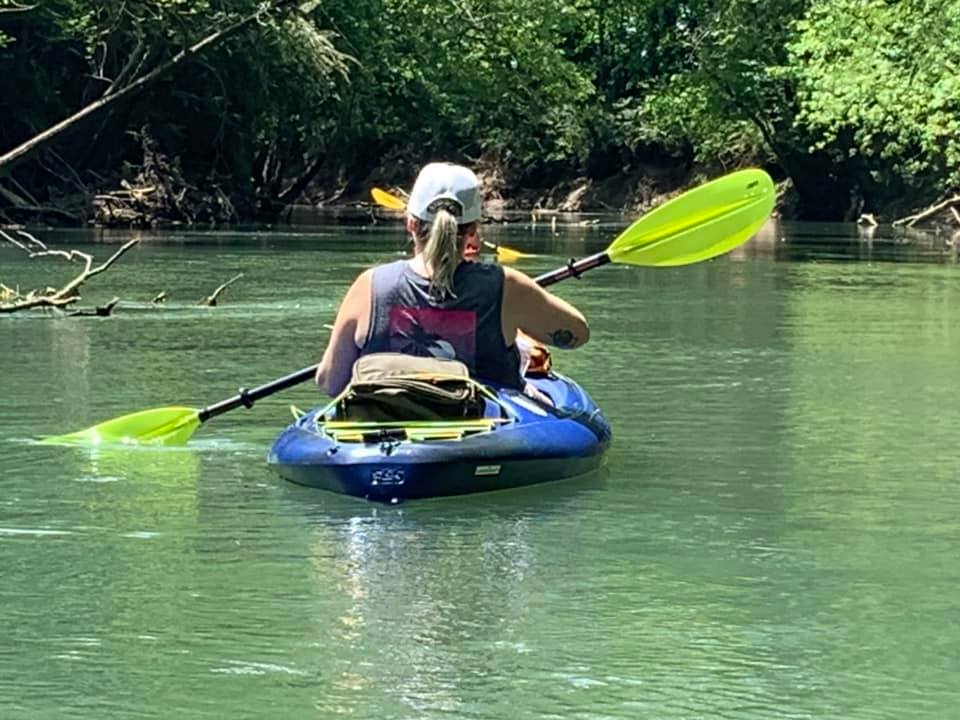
[
  {"x": 158, "y": 193},
  {"x": 635, "y": 191}
]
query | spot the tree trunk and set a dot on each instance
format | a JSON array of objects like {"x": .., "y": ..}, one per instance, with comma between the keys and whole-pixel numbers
[
  {"x": 26, "y": 150},
  {"x": 822, "y": 194}
]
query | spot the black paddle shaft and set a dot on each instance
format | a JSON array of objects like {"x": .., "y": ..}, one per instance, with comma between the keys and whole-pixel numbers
[
  {"x": 246, "y": 398},
  {"x": 574, "y": 268}
]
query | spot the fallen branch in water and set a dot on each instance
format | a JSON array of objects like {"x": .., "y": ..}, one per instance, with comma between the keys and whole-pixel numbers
[
  {"x": 211, "y": 300},
  {"x": 99, "y": 311},
  {"x": 68, "y": 294},
  {"x": 912, "y": 220}
]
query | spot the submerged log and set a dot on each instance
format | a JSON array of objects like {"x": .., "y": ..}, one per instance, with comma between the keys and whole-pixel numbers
[
  {"x": 211, "y": 299},
  {"x": 99, "y": 311}
]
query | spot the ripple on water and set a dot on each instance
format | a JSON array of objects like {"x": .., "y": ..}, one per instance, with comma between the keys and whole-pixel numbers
[
  {"x": 245, "y": 667},
  {"x": 34, "y": 532}
]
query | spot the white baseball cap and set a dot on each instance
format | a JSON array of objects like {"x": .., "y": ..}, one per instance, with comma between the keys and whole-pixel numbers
[{"x": 446, "y": 181}]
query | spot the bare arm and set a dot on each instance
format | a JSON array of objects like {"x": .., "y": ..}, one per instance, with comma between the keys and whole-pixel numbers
[
  {"x": 343, "y": 349},
  {"x": 543, "y": 316}
]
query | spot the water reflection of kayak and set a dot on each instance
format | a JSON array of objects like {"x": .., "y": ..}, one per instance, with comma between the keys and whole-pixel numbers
[{"x": 518, "y": 441}]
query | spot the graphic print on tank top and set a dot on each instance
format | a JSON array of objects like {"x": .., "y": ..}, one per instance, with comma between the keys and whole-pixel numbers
[{"x": 434, "y": 332}]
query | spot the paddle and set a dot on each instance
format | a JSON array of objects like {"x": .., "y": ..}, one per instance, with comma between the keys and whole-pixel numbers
[
  {"x": 697, "y": 225},
  {"x": 392, "y": 202}
]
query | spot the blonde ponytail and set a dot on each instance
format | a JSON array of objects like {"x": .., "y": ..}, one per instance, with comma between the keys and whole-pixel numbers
[{"x": 441, "y": 255}]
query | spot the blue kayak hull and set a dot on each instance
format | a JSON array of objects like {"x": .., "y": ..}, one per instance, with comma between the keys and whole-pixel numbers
[{"x": 542, "y": 444}]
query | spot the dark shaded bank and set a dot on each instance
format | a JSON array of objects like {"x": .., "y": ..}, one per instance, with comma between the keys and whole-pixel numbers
[
  {"x": 632, "y": 189},
  {"x": 196, "y": 112},
  {"x": 636, "y": 189},
  {"x": 161, "y": 190}
]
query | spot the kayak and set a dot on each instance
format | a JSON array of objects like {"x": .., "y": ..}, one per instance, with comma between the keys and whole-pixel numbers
[{"x": 518, "y": 441}]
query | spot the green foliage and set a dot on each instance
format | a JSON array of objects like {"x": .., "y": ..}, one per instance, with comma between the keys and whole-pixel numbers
[
  {"x": 884, "y": 78},
  {"x": 863, "y": 91},
  {"x": 461, "y": 79},
  {"x": 719, "y": 89},
  {"x": 251, "y": 98},
  {"x": 680, "y": 117}
]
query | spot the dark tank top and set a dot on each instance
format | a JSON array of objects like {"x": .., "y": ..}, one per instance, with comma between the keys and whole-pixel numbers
[{"x": 405, "y": 318}]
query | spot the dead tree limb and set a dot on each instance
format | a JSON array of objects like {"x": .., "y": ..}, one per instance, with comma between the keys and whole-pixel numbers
[
  {"x": 22, "y": 152},
  {"x": 54, "y": 297},
  {"x": 23, "y": 191},
  {"x": 211, "y": 300},
  {"x": 293, "y": 192},
  {"x": 912, "y": 220},
  {"x": 131, "y": 68},
  {"x": 99, "y": 311},
  {"x": 12, "y": 197}
]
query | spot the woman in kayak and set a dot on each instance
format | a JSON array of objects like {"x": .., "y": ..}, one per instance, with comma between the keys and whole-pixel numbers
[{"x": 438, "y": 304}]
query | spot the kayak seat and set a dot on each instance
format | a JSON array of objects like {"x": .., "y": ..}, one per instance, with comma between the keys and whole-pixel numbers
[{"x": 393, "y": 387}]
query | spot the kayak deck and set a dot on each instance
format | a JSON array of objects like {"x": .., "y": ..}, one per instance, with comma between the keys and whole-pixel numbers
[{"x": 387, "y": 462}]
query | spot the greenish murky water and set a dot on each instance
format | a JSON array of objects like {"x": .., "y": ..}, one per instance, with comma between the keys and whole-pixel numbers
[{"x": 775, "y": 534}]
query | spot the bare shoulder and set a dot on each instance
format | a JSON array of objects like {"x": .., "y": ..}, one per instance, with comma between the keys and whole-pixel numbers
[
  {"x": 516, "y": 276},
  {"x": 518, "y": 283},
  {"x": 360, "y": 289},
  {"x": 365, "y": 278}
]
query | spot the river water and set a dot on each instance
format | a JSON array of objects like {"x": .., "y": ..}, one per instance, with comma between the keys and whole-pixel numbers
[{"x": 775, "y": 533}]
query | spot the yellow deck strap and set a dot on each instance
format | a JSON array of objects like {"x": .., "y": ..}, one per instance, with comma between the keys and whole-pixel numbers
[
  {"x": 296, "y": 412},
  {"x": 346, "y": 431},
  {"x": 347, "y": 436},
  {"x": 416, "y": 424},
  {"x": 417, "y": 435}
]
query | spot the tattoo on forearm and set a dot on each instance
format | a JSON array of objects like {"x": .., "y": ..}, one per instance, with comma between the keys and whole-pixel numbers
[{"x": 563, "y": 338}]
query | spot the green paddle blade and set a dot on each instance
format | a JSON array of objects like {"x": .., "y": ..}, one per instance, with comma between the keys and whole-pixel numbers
[
  {"x": 699, "y": 224},
  {"x": 160, "y": 426}
]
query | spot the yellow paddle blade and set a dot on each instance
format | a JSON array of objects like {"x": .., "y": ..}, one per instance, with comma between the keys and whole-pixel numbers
[
  {"x": 699, "y": 224},
  {"x": 392, "y": 202},
  {"x": 387, "y": 200},
  {"x": 159, "y": 426},
  {"x": 507, "y": 255}
]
